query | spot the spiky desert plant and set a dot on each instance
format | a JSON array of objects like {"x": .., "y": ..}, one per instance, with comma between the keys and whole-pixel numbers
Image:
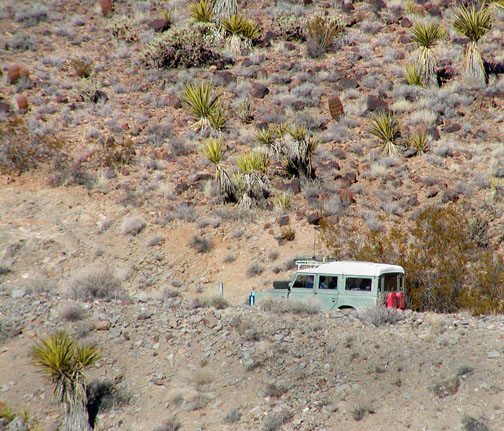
[
  {"x": 214, "y": 149},
  {"x": 413, "y": 75},
  {"x": 298, "y": 152},
  {"x": 224, "y": 8},
  {"x": 251, "y": 179},
  {"x": 419, "y": 141},
  {"x": 241, "y": 31},
  {"x": 201, "y": 11},
  {"x": 61, "y": 360},
  {"x": 426, "y": 36},
  {"x": 385, "y": 127},
  {"x": 474, "y": 24},
  {"x": 283, "y": 201},
  {"x": 322, "y": 30},
  {"x": 272, "y": 137},
  {"x": 495, "y": 4},
  {"x": 204, "y": 105}
]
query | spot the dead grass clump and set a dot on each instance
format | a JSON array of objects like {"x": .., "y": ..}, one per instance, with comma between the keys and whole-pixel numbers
[
  {"x": 447, "y": 387},
  {"x": 170, "y": 424},
  {"x": 380, "y": 315},
  {"x": 360, "y": 411},
  {"x": 133, "y": 225},
  {"x": 233, "y": 416},
  {"x": 472, "y": 424},
  {"x": 72, "y": 313},
  {"x": 199, "y": 402},
  {"x": 273, "y": 421},
  {"x": 255, "y": 269},
  {"x": 275, "y": 391},
  {"x": 284, "y": 306},
  {"x": 200, "y": 244},
  {"x": 95, "y": 283}
]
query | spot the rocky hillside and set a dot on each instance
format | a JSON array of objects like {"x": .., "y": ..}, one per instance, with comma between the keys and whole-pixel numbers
[
  {"x": 110, "y": 175},
  {"x": 242, "y": 368}
]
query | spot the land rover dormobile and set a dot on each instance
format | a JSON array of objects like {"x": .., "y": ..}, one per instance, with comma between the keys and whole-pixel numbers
[{"x": 338, "y": 285}]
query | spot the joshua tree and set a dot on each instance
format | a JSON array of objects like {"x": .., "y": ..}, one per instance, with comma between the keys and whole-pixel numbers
[
  {"x": 224, "y": 8},
  {"x": 63, "y": 362},
  {"x": 426, "y": 36},
  {"x": 474, "y": 24}
]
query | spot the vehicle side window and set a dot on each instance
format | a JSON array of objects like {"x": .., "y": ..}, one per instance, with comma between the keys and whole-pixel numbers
[
  {"x": 391, "y": 282},
  {"x": 304, "y": 281},
  {"x": 358, "y": 284},
  {"x": 328, "y": 282}
]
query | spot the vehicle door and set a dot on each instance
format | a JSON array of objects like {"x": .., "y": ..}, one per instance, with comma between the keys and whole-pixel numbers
[
  {"x": 358, "y": 292},
  {"x": 326, "y": 291},
  {"x": 302, "y": 287}
]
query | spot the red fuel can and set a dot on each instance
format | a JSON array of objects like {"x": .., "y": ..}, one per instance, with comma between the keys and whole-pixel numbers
[
  {"x": 391, "y": 300},
  {"x": 400, "y": 300}
]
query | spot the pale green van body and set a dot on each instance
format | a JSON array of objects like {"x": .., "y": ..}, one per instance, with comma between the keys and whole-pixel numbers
[{"x": 339, "y": 285}]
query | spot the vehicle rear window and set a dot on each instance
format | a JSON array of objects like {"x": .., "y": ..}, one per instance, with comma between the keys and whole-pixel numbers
[
  {"x": 358, "y": 284},
  {"x": 390, "y": 282}
]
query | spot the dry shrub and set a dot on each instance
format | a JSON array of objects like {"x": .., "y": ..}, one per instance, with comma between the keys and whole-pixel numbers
[
  {"x": 380, "y": 315},
  {"x": 272, "y": 305},
  {"x": 445, "y": 270},
  {"x": 95, "y": 283},
  {"x": 20, "y": 150},
  {"x": 184, "y": 47}
]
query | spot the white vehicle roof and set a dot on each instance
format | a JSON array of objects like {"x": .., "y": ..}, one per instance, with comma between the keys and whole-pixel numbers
[{"x": 368, "y": 269}]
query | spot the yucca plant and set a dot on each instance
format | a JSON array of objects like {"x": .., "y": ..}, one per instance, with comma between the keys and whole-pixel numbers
[
  {"x": 321, "y": 31},
  {"x": 426, "y": 36},
  {"x": 61, "y": 360},
  {"x": 214, "y": 149},
  {"x": 204, "y": 105},
  {"x": 298, "y": 152},
  {"x": 413, "y": 75},
  {"x": 224, "y": 8},
  {"x": 474, "y": 24},
  {"x": 201, "y": 11},
  {"x": 272, "y": 137},
  {"x": 495, "y": 4},
  {"x": 419, "y": 141},
  {"x": 283, "y": 201},
  {"x": 254, "y": 161},
  {"x": 251, "y": 180},
  {"x": 385, "y": 127},
  {"x": 241, "y": 31}
]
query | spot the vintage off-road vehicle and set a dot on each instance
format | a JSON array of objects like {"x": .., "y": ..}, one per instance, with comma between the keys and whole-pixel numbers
[{"x": 338, "y": 285}]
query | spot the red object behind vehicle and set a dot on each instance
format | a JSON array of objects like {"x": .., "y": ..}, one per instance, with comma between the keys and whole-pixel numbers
[
  {"x": 391, "y": 300},
  {"x": 395, "y": 300},
  {"x": 400, "y": 300}
]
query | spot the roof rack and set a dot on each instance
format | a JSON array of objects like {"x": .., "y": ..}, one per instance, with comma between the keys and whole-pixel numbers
[{"x": 311, "y": 263}]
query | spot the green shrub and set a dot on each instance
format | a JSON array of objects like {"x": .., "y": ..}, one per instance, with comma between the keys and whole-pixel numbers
[
  {"x": 185, "y": 47},
  {"x": 445, "y": 270}
]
